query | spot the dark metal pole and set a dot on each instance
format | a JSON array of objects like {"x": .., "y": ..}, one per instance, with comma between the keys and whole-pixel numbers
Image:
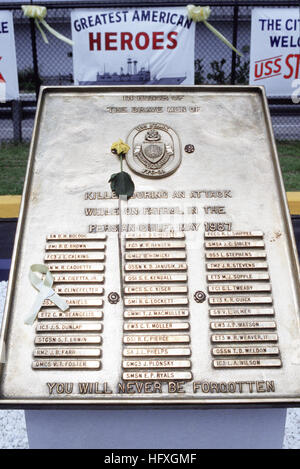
[
  {"x": 34, "y": 57},
  {"x": 16, "y": 109},
  {"x": 234, "y": 41}
]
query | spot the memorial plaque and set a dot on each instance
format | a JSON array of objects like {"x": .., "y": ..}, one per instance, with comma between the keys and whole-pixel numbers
[
  {"x": 218, "y": 312},
  {"x": 242, "y": 350},
  {"x": 157, "y": 375},
  {"x": 244, "y": 338},
  {"x": 78, "y": 267},
  {"x": 187, "y": 293},
  {"x": 70, "y": 314},
  {"x": 155, "y": 245},
  {"x": 75, "y": 256},
  {"x": 156, "y": 363},
  {"x": 76, "y": 236},
  {"x": 233, "y": 234},
  {"x": 153, "y": 255},
  {"x": 155, "y": 278},
  {"x": 239, "y": 299},
  {"x": 236, "y": 265},
  {"x": 157, "y": 352},
  {"x": 155, "y": 266},
  {"x": 65, "y": 364},
  {"x": 242, "y": 324},
  {"x": 155, "y": 326},
  {"x": 238, "y": 277},
  {"x": 78, "y": 278},
  {"x": 158, "y": 289},
  {"x": 66, "y": 352},
  {"x": 76, "y": 290},
  {"x": 78, "y": 301},
  {"x": 234, "y": 288},
  {"x": 67, "y": 339},
  {"x": 156, "y": 339},
  {"x": 234, "y": 244},
  {"x": 156, "y": 313},
  {"x": 247, "y": 363},
  {"x": 79, "y": 246},
  {"x": 235, "y": 254},
  {"x": 155, "y": 300},
  {"x": 147, "y": 235},
  {"x": 71, "y": 326}
]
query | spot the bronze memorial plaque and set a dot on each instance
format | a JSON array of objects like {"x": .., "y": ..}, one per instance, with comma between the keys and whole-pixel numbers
[{"x": 186, "y": 293}]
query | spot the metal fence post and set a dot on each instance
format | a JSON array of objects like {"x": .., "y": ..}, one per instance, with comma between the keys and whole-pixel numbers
[
  {"x": 234, "y": 41},
  {"x": 16, "y": 109},
  {"x": 34, "y": 58}
]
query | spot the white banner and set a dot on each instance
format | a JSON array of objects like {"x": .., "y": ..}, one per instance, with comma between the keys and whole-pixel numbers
[
  {"x": 275, "y": 50},
  {"x": 133, "y": 46},
  {"x": 9, "y": 87}
]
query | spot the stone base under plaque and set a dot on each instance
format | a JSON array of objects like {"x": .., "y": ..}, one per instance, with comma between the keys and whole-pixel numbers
[{"x": 155, "y": 429}]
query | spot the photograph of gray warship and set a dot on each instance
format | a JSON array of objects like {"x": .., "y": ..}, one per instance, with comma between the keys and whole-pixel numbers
[{"x": 132, "y": 77}]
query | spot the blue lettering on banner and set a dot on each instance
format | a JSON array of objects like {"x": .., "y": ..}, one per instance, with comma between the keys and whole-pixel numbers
[
  {"x": 291, "y": 25},
  {"x": 140, "y": 16},
  {"x": 4, "y": 27},
  {"x": 284, "y": 41}
]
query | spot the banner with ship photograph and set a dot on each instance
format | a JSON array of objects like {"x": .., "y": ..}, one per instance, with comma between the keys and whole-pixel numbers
[
  {"x": 9, "y": 86},
  {"x": 133, "y": 46}
]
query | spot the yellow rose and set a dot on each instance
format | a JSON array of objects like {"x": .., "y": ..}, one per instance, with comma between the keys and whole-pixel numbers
[
  {"x": 119, "y": 147},
  {"x": 197, "y": 13}
]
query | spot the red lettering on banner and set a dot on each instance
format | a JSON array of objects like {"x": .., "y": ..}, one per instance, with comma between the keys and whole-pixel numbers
[
  {"x": 158, "y": 40},
  {"x": 110, "y": 38},
  {"x": 1, "y": 76},
  {"x": 267, "y": 68},
  {"x": 272, "y": 67},
  {"x": 294, "y": 70},
  {"x": 172, "y": 40},
  {"x": 126, "y": 40},
  {"x": 95, "y": 41},
  {"x": 139, "y": 43},
  {"x": 277, "y": 63},
  {"x": 260, "y": 73}
]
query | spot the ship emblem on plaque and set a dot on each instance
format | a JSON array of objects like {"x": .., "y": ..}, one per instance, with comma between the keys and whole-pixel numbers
[{"x": 154, "y": 150}]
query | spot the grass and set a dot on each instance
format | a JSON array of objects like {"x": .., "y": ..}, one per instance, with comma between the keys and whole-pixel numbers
[
  {"x": 13, "y": 161},
  {"x": 289, "y": 157}
]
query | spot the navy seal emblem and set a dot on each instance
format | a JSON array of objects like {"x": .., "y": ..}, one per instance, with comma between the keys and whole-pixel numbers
[{"x": 155, "y": 150}]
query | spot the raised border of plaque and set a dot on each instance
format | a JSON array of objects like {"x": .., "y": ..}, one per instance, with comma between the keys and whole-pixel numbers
[{"x": 242, "y": 254}]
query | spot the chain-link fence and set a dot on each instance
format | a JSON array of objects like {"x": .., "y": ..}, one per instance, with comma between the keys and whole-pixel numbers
[{"x": 39, "y": 63}]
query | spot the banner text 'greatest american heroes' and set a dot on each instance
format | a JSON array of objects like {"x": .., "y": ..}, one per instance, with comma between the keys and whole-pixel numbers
[
  {"x": 158, "y": 39},
  {"x": 127, "y": 40}
]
